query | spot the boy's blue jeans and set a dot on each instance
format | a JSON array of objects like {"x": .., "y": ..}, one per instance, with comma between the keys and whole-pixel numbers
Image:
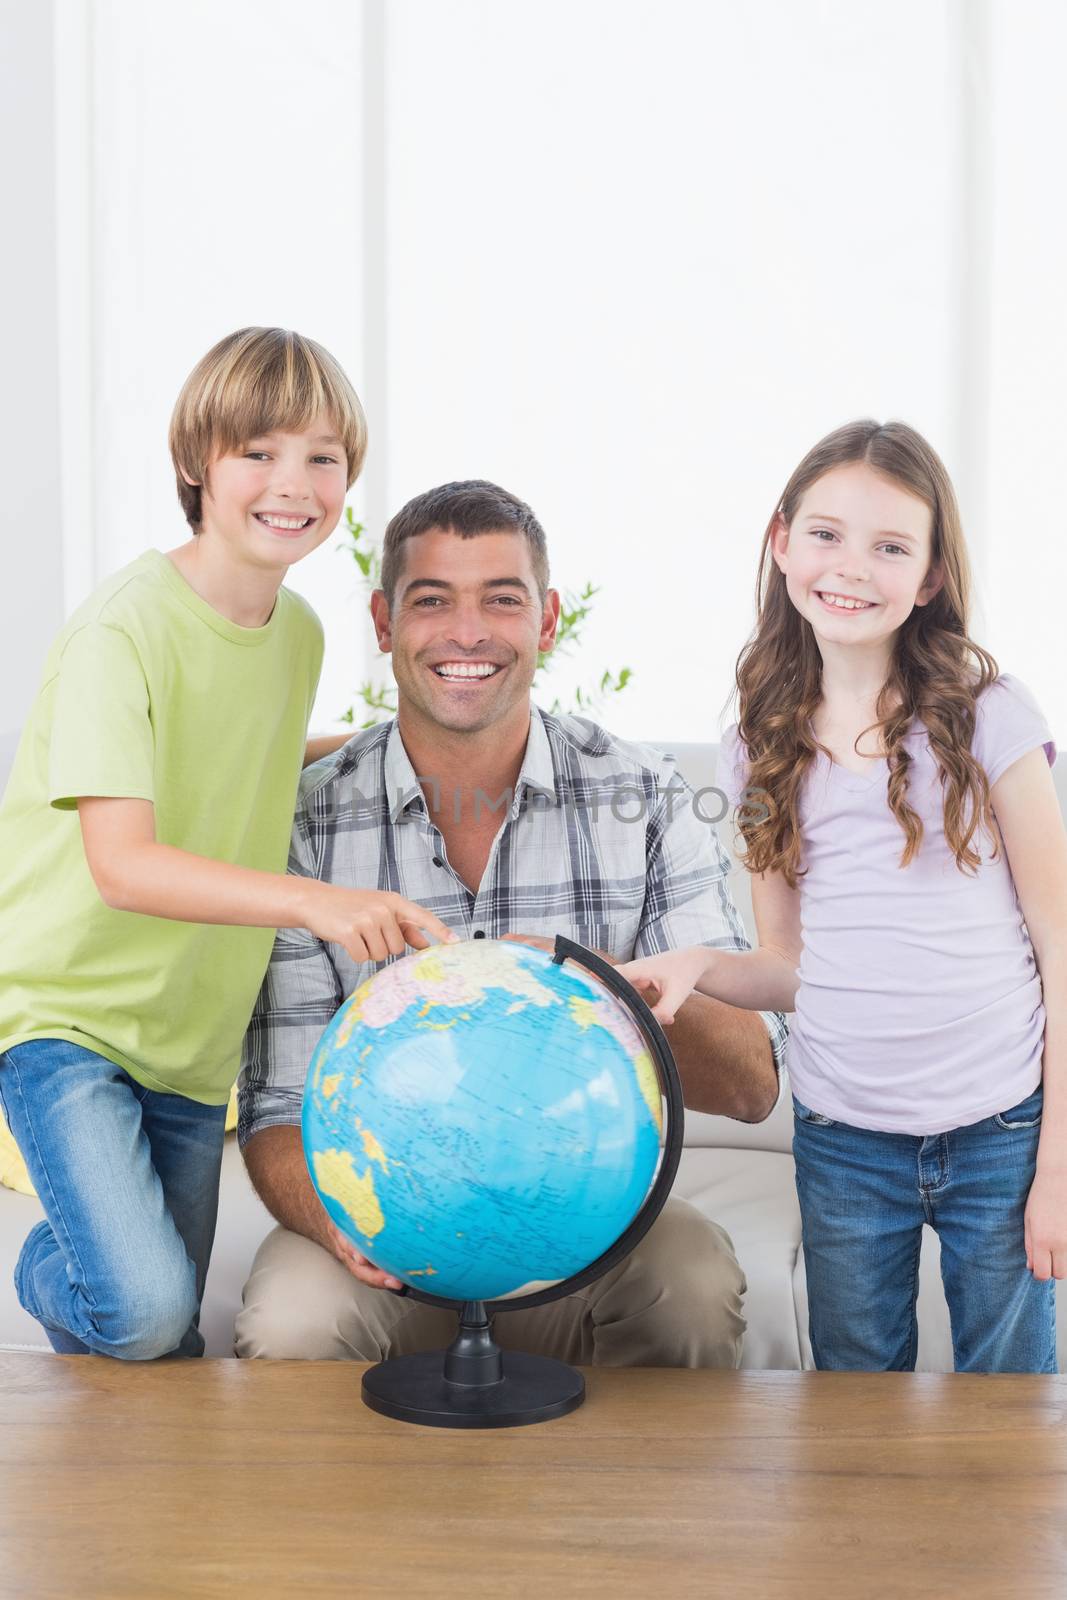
[
  {"x": 129, "y": 1182},
  {"x": 863, "y": 1200}
]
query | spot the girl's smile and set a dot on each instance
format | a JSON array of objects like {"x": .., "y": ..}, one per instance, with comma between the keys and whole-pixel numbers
[{"x": 841, "y": 602}]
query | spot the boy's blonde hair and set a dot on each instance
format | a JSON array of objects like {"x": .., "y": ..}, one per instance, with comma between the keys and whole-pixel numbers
[{"x": 257, "y": 381}]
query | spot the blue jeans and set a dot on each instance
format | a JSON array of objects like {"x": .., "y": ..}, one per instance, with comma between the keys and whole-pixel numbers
[
  {"x": 863, "y": 1200},
  {"x": 129, "y": 1182}
]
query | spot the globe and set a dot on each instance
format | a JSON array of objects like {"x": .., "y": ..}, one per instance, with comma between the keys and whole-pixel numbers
[{"x": 481, "y": 1120}]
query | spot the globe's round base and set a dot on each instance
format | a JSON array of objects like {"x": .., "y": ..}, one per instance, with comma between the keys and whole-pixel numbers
[{"x": 414, "y": 1389}]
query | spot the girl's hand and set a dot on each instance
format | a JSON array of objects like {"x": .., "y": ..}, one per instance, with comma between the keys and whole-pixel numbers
[
  {"x": 1045, "y": 1225},
  {"x": 665, "y": 982}
]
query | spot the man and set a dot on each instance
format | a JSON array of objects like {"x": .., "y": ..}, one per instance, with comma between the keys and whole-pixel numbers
[{"x": 505, "y": 822}]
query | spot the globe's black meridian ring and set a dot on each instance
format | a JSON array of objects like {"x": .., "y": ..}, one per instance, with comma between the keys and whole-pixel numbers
[{"x": 567, "y": 950}]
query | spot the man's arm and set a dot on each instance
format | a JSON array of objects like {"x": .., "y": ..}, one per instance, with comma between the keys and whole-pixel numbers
[
  {"x": 725, "y": 1059},
  {"x": 300, "y": 996},
  {"x": 275, "y": 1161}
]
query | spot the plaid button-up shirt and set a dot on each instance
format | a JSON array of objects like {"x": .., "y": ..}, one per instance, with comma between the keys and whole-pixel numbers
[{"x": 601, "y": 840}]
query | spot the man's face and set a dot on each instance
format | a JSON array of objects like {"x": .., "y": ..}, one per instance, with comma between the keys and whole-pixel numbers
[
  {"x": 278, "y": 497},
  {"x": 465, "y": 628}
]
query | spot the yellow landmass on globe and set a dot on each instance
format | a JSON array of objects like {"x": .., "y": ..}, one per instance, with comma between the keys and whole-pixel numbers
[
  {"x": 338, "y": 1179},
  {"x": 585, "y": 1015},
  {"x": 374, "y": 1150},
  {"x": 430, "y": 969},
  {"x": 352, "y": 1015},
  {"x": 329, "y": 1085},
  {"x": 466, "y": 971},
  {"x": 584, "y": 1012},
  {"x": 648, "y": 1083}
]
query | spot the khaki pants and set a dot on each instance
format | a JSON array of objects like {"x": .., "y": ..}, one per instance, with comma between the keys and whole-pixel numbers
[{"x": 675, "y": 1301}]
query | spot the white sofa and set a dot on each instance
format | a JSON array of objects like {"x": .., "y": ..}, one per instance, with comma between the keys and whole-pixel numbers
[{"x": 740, "y": 1174}]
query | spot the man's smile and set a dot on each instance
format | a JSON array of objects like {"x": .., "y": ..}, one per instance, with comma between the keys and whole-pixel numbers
[{"x": 466, "y": 671}]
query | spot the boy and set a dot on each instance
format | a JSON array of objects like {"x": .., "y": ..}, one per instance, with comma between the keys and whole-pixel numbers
[{"x": 143, "y": 845}]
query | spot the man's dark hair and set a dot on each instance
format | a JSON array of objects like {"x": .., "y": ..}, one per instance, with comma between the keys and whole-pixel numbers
[{"x": 468, "y": 509}]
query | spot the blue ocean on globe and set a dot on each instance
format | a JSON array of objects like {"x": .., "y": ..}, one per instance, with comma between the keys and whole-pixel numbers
[{"x": 482, "y": 1121}]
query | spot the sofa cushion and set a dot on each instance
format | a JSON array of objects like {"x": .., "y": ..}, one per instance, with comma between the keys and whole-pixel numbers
[{"x": 751, "y": 1194}]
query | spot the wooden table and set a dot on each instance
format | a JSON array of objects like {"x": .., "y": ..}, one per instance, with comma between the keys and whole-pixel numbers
[{"x": 218, "y": 1478}]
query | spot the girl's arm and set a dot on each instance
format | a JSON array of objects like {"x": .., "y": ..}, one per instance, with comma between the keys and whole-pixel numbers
[
  {"x": 755, "y": 980},
  {"x": 1035, "y": 842}
]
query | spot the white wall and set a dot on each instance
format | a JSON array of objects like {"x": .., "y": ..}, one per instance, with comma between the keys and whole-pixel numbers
[
  {"x": 1027, "y": 410},
  {"x": 629, "y": 261},
  {"x": 31, "y": 581},
  {"x": 225, "y": 189},
  {"x": 640, "y": 258}
]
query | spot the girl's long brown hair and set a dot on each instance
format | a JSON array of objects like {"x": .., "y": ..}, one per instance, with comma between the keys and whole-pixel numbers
[{"x": 936, "y": 673}]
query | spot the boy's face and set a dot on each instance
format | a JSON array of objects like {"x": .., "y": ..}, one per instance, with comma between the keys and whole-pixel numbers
[{"x": 276, "y": 498}]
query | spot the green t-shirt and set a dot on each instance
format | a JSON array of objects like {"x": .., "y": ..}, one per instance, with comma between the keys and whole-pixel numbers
[{"x": 150, "y": 693}]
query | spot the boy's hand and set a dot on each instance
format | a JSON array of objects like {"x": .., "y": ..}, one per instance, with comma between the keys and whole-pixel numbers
[
  {"x": 666, "y": 981},
  {"x": 358, "y": 1265},
  {"x": 371, "y": 924}
]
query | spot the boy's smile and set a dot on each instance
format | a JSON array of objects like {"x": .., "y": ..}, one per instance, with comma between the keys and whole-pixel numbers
[{"x": 283, "y": 521}]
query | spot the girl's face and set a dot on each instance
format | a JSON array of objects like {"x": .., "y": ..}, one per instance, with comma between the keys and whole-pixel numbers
[{"x": 856, "y": 557}]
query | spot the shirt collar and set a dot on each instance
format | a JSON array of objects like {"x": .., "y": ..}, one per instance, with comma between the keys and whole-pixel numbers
[
  {"x": 403, "y": 791},
  {"x": 538, "y": 770}
]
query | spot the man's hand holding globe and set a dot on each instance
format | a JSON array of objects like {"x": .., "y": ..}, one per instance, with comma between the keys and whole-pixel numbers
[{"x": 358, "y": 1265}]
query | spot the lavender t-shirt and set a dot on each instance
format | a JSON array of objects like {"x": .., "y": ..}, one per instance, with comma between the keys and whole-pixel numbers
[{"x": 919, "y": 1007}]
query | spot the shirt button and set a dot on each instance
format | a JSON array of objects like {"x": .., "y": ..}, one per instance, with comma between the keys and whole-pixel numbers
[
  {"x": 479, "y": 933},
  {"x": 437, "y": 861}
]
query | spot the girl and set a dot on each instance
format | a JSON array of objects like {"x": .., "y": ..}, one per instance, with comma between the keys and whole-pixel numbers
[{"x": 910, "y": 890}]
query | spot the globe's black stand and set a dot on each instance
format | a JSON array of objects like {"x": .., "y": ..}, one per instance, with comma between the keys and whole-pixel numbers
[{"x": 477, "y": 1385}]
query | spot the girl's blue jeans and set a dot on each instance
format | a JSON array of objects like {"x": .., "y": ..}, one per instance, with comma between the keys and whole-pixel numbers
[
  {"x": 864, "y": 1198},
  {"x": 129, "y": 1182}
]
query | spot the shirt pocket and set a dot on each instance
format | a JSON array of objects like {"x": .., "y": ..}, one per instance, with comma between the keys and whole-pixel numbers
[{"x": 610, "y": 938}]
